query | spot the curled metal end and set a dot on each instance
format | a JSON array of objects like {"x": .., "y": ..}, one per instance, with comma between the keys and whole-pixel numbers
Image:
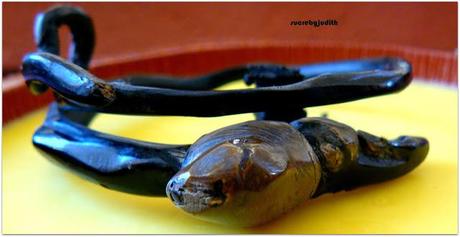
[
  {"x": 46, "y": 36},
  {"x": 43, "y": 70},
  {"x": 46, "y": 32}
]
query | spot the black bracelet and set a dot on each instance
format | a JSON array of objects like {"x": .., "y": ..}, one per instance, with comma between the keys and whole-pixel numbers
[{"x": 282, "y": 154}]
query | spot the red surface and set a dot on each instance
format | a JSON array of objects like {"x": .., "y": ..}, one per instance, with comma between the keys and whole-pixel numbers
[{"x": 126, "y": 28}]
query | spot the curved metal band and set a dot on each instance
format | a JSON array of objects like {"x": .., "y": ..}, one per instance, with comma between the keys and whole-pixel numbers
[
  {"x": 81, "y": 26},
  {"x": 85, "y": 91},
  {"x": 282, "y": 92},
  {"x": 114, "y": 162}
]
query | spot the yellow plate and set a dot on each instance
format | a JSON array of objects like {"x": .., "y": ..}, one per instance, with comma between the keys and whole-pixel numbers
[{"x": 39, "y": 197}]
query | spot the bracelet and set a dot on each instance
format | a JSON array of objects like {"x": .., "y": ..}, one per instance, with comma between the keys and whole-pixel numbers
[{"x": 244, "y": 174}]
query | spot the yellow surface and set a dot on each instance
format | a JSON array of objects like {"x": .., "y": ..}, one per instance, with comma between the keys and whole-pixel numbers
[{"x": 39, "y": 197}]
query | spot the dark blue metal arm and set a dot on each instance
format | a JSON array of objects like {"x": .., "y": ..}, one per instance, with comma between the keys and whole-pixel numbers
[
  {"x": 81, "y": 26},
  {"x": 81, "y": 89},
  {"x": 114, "y": 162}
]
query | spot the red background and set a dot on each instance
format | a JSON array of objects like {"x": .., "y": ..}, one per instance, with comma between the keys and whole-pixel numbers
[{"x": 123, "y": 28}]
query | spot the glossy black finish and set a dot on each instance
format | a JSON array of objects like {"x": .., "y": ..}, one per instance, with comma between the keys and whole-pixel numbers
[
  {"x": 81, "y": 26},
  {"x": 282, "y": 93},
  {"x": 81, "y": 89},
  {"x": 114, "y": 162},
  {"x": 46, "y": 37}
]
